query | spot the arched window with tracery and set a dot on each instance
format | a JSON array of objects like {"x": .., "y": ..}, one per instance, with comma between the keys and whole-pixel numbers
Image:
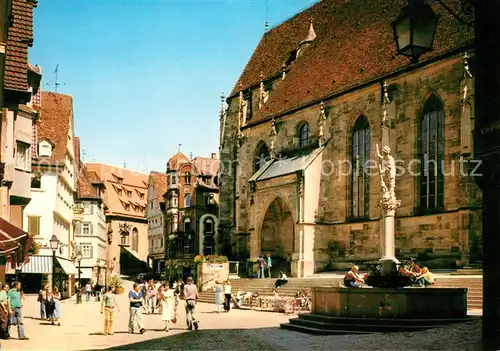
[
  {"x": 432, "y": 155},
  {"x": 360, "y": 184},
  {"x": 303, "y": 134},
  {"x": 261, "y": 156}
]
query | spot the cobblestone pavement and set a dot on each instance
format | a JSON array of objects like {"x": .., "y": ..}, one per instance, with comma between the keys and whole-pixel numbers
[{"x": 240, "y": 329}]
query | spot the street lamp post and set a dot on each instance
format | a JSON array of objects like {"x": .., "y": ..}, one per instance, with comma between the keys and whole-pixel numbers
[
  {"x": 483, "y": 16},
  {"x": 79, "y": 290},
  {"x": 54, "y": 244}
]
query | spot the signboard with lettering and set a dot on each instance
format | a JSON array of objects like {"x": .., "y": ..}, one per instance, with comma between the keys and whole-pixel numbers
[{"x": 216, "y": 265}]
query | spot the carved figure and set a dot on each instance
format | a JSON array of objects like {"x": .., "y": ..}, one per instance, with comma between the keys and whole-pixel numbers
[{"x": 387, "y": 169}]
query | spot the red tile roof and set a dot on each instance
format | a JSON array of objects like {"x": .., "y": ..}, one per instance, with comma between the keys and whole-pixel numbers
[
  {"x": 159, "y": 184},
  {"x": 176, "y": 161},
  {"x": 354, "y": 44},
  {"x": 85, "y": 188},
  {"x": 206, "y": 166},
  {"x": 53, "y": 125},
  {"x": 93, "y": 177},
  {"x": 20, "y": 37}
]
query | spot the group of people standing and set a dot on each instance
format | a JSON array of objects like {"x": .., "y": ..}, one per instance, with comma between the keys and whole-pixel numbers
[
  {"x": 11, "y": 304},
  {"x": 264, "y": 265},
  {"x": 50, "y": 304}
]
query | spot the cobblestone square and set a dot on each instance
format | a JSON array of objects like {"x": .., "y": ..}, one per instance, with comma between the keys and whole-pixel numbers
[{"x": 82, "y": 325}]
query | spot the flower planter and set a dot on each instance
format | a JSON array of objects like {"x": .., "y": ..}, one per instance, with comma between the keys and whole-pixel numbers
[
  {"x": 119, "y": 291},
  {"x": 209, "y": 273}
]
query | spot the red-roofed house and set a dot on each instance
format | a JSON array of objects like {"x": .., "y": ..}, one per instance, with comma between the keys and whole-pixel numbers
[
  {"x": 299, "y": 135},
  {"x": 191, "y": 206},
  {"x": 124, "y": 194},
  {"x": 53, "y": 191}
]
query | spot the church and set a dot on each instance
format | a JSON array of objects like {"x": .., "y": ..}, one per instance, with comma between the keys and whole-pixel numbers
[{"x": 300, "y": 131}]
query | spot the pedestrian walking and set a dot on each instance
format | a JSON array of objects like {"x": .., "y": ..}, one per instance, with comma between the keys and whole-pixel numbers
[
  {"x": 191, "y": 296},
  {"x": 108, "y": 305},
  {"x": 219, "y": 295},
  {"x": 88, "y": 291},
  {"x": 269, "y": 264},
  {"x": 16, "y": 305},
  {"x": 151, "y": 296},
  {"x": 42, "y": 299},
  {"x": 55, "y": 298},
  {"x": 227, "y": 296},
  {"x": 5, "y": 312},
  {"x": 168, "y": 306},
  {"x": 136, "y": 304}
]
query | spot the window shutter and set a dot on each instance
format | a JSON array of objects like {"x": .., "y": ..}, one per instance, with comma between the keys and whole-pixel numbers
[
  {"x": 91, "y": 230},
  {"x": 91, "y": 209},
  {"x": 91, "y": 250},
  {"x": 78, "y": 228},
  {"x": 37, "y": 226}
]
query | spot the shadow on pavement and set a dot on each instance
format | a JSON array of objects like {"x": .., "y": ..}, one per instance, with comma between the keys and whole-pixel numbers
[{"x": 209, "y": 339}]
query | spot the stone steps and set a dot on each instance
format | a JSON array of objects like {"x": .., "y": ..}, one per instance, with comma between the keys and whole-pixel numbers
[{"x": 318, "y": 324}]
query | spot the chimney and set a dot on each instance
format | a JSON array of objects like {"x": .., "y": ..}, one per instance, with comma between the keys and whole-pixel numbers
[{"x": 214, "y": 156}]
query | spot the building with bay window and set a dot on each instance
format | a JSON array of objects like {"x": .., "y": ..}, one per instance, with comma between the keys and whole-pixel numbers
[{"x": 191, "y": 211}]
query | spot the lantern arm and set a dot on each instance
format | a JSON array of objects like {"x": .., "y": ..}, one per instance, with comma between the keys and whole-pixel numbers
[{"x": 466, "y": 16}]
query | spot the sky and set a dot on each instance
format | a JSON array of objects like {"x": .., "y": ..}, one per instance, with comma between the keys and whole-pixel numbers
[{"x": 147, "y": 75}]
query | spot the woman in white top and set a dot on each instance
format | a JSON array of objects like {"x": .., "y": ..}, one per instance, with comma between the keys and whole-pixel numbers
[
  {"x": 167, "y": 300},
  {"x": 283, "y": 279},
  {"x": 227, "y": 296}
]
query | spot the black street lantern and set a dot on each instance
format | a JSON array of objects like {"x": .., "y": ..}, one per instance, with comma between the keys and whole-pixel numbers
[
  {"x": 414, "y": 29},
  {"x": 54, "y": 244}
]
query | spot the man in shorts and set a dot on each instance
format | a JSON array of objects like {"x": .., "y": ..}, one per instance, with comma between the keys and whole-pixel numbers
[{"x": 191, "y": 296}]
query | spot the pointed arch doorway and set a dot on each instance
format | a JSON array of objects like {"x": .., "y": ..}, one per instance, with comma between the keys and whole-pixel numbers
[{"x": 277, "y": 234}]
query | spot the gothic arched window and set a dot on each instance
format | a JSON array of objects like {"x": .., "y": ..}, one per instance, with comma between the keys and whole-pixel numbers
[
  {"x": 432, "y": 154},
  {"x": 303, "y": 134},
  {"x": 360, "y": 189},
  {"x": 261, "y": 156}
]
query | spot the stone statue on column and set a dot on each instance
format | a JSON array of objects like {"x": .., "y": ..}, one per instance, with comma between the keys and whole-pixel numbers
[
  {"x": 321, "y": 122},
  {"x": 272, "y": 150}
]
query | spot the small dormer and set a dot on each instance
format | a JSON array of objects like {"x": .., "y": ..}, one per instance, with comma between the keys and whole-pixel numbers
[{"x": 45, "y": 148}]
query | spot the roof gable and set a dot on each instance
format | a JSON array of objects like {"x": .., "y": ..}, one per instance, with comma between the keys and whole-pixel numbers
[
  {"x": 54, "y": 123},
  {"x": 353, "y": 44}
]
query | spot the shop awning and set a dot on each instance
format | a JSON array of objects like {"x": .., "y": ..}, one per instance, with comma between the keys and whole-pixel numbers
[
  {"x": 68, "y": 267},
  {"x": 86, "y": 273},
  {"x": 36, "y": 265},
  {"x": 15, "y": 243}
]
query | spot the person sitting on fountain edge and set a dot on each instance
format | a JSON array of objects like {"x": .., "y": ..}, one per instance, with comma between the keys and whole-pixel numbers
[
  {"x": 425, "y": 278},
  {"x": 352, "y": 279}
]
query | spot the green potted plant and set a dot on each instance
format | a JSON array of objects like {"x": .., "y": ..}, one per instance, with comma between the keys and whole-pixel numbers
[{"x": 116, "y": 283}]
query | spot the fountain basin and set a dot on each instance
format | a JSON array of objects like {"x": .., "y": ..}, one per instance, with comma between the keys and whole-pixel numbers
[{"x": 404, "y": 303}]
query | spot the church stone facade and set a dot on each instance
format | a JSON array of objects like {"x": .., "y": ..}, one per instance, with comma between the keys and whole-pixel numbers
[{"x": 299, "y": 167}]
